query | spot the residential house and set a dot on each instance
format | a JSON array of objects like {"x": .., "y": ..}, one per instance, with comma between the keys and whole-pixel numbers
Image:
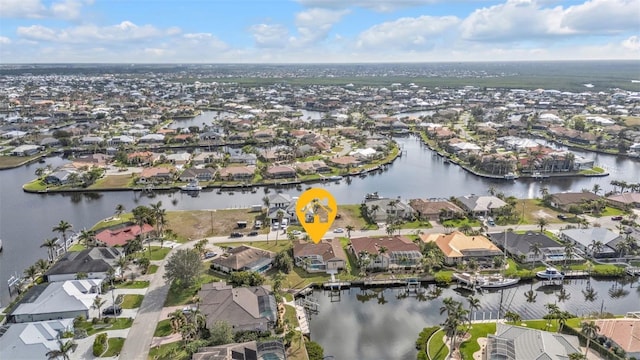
[
  {"x": 237, "y": 156},
  {"x": 121, "y": 140},
  {"x": 142, "y": 158},
  {"x": 119, "y": 236},
  {"x": 91, "y": 140},
  {"x": 50, "y": 142},
  {"x": 206, "y": 158},
  {"x": 480, "y": 205},
  {"x": 435, "y": 209},
  {"x": 312, "y": 167},
  {"x": 94, "y": 262},
  {"x": 458, "y": 247},
  {"x": 325, "y": 256},
  {"x": 520, "y": 245},
  {"x": 244, "y": 308},
  {"x": 25, "y": 150},
  {"x": 33, "y": 340},
  {"x": 156, "y": 175},
  {"x": 564, "y": 201},
  {"x": 345, "y": 162},
  {"x": 624, "y": 332},
  {"x": 60, "y": 177},
  {"x": 179, "y": 159},
  {"x": 56, "y": 300},
  {"x": 244, "y": 258},
  {"x": 520, "y": 343},
  {"x": 280, "y": 172},
  {"x": 193, "y": 174},
  {"x": 252, "y": 350},
  {"x": 627, "y": 199},
  {"x": 584, "y": 238},
  {"x": 151, "y": 138},
  {"x": 387, "y": 252},
  {"x": 237, "y": 173},
  {"x": 388, "y": 209}
]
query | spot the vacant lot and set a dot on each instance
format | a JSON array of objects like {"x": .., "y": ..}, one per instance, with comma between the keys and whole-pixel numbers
[
  {"x": 112, "y": 181},
  {"x": 533, "y": 210},
  {"x": 202, "y": 223},
  {"x": 13, "y": 161}
]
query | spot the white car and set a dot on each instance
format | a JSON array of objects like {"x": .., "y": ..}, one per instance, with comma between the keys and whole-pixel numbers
[{"x": 338, "y": 230}]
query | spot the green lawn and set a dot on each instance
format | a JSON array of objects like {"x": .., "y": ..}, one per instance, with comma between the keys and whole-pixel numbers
[
  {"x": 115, "y": 345},
  {"x": 417, "y": 224},
  {"x": 157, "y": 253},
  {"x": 180, "y": 296},
  {"x": 163, "y": 328},
  {"x": 138, "y": 284},
  {"x": 610, "y": 211},
  {"x": 112, "y": 221},
  {"x": 288, "y": 297},
  {"x": 171, "y": 351},
  {"x": 283, "y": 244},
  {"x": 437, "y": 348},
  {"x": 290, "y": 316},
  {"x": 470, "y": 346},
  {"x": 456, "y": 223},
  {"x": 152, "y": 269},
  {"x": 131, "y": 301},
  {"x": 119, "y": 323}
]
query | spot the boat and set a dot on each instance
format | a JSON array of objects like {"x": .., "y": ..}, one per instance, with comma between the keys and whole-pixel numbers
[
  {"x": 373, "y": 196},
  {"x": 335, "y": 178},
  {"x": 191, "y": 186},
  {"x": 495, "y": 281},
  {"x": 0, "y": 245},
  {"x": 466, "y": 278},
  {"x": 550, "y": 273},
  {"x": 510, "y": 176}
]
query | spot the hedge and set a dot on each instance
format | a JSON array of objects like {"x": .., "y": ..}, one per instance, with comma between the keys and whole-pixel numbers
[{"x": 99, "y": 344}]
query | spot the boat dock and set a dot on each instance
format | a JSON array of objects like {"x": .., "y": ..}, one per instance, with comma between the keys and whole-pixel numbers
[
  {"x": 573, "y": 274},
  {"x": 633, "y": 271}
]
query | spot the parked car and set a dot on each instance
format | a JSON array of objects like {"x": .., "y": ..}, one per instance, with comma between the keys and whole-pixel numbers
[
  {"x": 338, "y": 230},
  {"x": 616, "y": 218},
  {"x": 210, "y": 255},
  {"x": 236, "y": 235},
  {"x": 112, "y": 310},
  {"x": 562, "y": 217},
  {"x": 296, "y": 232},
  {"x": 253, "y": 233}
]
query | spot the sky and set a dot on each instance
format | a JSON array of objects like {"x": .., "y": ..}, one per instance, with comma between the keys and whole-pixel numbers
[{"x": 316, "y": 31}]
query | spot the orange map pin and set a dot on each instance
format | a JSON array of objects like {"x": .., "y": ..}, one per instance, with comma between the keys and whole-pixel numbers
[{"x": 316, "y": 209}]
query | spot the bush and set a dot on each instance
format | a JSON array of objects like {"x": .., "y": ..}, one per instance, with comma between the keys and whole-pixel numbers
[
  {"x": 315, "y": 351},
  {"x": 99, "y": 344},
  {"x": 443, "y": 278},
  {"x": 106, "y": 320},
  {"x": 95, "y": 320}
]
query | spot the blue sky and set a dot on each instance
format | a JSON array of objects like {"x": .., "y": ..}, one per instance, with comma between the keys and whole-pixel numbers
[{"x": 290, "y": 31}]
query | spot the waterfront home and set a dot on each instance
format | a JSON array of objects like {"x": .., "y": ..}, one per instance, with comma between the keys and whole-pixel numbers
[
  {"x": 263, "y": 349},
  {"x": 624, "y": 332},
  {"x": 25, "y": 150},
  {"x": 480, "y": 205},
  {"x": 280, "y": 172},
  {"x": 244, "y": 258},
  {"x": 33, "y": 340},
  {"x": 152, "y": 138},
  {"x": 244, "y": 308},
  {"x": 98, "y": 159},
  {"x": 119, "y": 236},
  {"x": 179, "y": 159},
  {"x": 237, "y": 173},
  {"x": 584, "y": 238},
  {"x": 387, "y": 252},
  {"x": 60, "y": 177},
  {"x": 435, "y": 209},
  {"x": 364, "y": 155},
  {"x": 206, "y": 158},
  {"x": 312, "y": 167},
  {"x": 142, "y": 158},
  {"x": 121, "y": 140},
  {"x": 327, "y": 255},
  {"x": 518, "y": 343},
  {"x": 193, "y": 174},
  {"x": 94, "y": 262},
  {"x": 156, "y": 175},
  {"x": 459, "y": 248},
  {"x": 520, "y": 245},
  {"x": 564, "y": 201},
  {"x": 631, "y": 199},
  {"x": 237, "y": 156},
  {"x": 50, "y": 142},
  {"x": 56, "y": 300},
  {"x": 344, "y": 161},
  {"x": 280, "y": 200},
  {"x": 385, "y": 210},
  {"x": 91, "y": 140}
]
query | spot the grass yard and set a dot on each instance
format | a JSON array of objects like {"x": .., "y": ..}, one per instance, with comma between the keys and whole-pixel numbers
[
  {"x": 299, "y": 278},
  {"x": 180, "y": 296},
  {"x": 131, "y": 301},
  {"x": 157, "y": 253},
  {"x": 470, "y": 346},
  {"x": 108, "y": 222},
  {"x": 610, "y": 211},
  {"x": 112, "y": 181},
  {"x": 297, "y": 351},
  {"x": 290, "y": 315},
  {"x": 533, "y": 210},
  {"x": 282, "y": 245},
  {"x": 7, "y": 162},
  {"x": 152, "y": 269},
  {"x": 437, "y": 348},
  {"x": 171, "y": 351},
  {"x": 34, "y": 185},
  {"x": 118, "y": 324},
  {"x": 202, "y": 223},
  {"x": 163, "y": 328},
  {"x": 77, "y": 247},
  {"x": 350, "y": 215},
  {"x": 133, "y": 285},
  {"x": 456, "y": 223},
  {"x": 115, "y": 345}
]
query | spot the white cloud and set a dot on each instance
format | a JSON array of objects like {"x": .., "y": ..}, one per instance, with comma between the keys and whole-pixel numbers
[
  {"x": 35, "y": 9},
  {"x": 269, "y": 36},
  {"x": 603, "y": 16},
  {"x": 313, "y": 25},
  {"x": 408, "y": 33},
  {"x": 632, "y": 43},
  {"x": 376, "y": 5},
  {"x": 122, "y": 32},
  {"x": 4, "y": 40}
]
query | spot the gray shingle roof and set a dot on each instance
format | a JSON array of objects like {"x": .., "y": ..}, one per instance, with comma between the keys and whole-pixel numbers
[{"x": 94, "y": 260}]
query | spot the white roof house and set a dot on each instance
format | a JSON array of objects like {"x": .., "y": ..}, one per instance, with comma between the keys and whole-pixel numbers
[
  {"x": 514, "y": 342},
  {"x": 33, "y": 340}
]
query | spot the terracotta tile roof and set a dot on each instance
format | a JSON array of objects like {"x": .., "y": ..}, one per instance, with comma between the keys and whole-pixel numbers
[
  {"x": 328, "y": 249},
  {"x": 624, "y": 332},
  {"x": 453, "y": 245},
  {"x": 372, "y": 245}
]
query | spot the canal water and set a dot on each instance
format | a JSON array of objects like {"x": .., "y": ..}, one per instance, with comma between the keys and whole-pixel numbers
[
  {"x": 26, "y": 220},
  {"x": 380, "y": 324}
]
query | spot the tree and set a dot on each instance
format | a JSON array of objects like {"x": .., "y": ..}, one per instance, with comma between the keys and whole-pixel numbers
[
  {"x": 64, "y": 348},
  {"x": 143, "y": 264},
  {"x": 177, "y": 320},
  {"x": 220, "y": 333},
  {"x": 314, "y": 350},
  {"x": 474, "y": 303},
  {"x": 349, "y": 229},
  {"x": 456, "y": 316},
  {"x": 279, "y": 216},
  {"x": 536, "y": 249},
  {"x": 31, "y": 272},
  {"x": 98, "y": 303},
  {"x": 87, "y": 237},
  {"x": 63, "y": 227},
  {"x": 120, "y": 209},
  {"x": 569, "y": 252},
  {"x": 577, "y": 356},
  {"x": 512, "y": 317},
  {"x": 589, "y": 329},
  {"x": 542, "y": 222},
  {"x": 596, "y": 247},
  {"x": 283, "y": 262},
  {"x": 183, "y": 267},
  {"x": 51, "y": 245},
  {"x": 123, "y": 264},
  {"x": 596, "y": 189},
  {"x": 42, "y": 265},
  {"x": 200, "y": 246}
]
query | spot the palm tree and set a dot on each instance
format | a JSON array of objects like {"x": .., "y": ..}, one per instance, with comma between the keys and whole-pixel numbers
[
  {"x": 42, "y": 265},
  {"x": 589, "y": 329},
  {"x": 349, "y": 229},
  {"x": 456, "y": 316},
  {"x": 542, "y": 222},
  {"x": 31, "y": 272},
  {"x": 596, "y": 247},
  {"x": 577, "y": 356},
  {"x": 279, "y": 216},
  {"x": 98, "y": 302},
  {"x": 51, "y": 245},
  {"x": 596, "y": 189},
  {"x": 177, "y": 320},
  {"x": 120, "y": 209},
  {"x": 63, "y": 350},
  {"x": 200, "y": 246},
  {"x": 87, "y": 237},
  {"x": 123, "y": 264},
  {"x": 62, "y": 228},
  {"x": 536, "y": 249},
  {"x": 569, "y": 252},
  {"x": 474, "y": 304},
  {"x": 513, "y": 317}
]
